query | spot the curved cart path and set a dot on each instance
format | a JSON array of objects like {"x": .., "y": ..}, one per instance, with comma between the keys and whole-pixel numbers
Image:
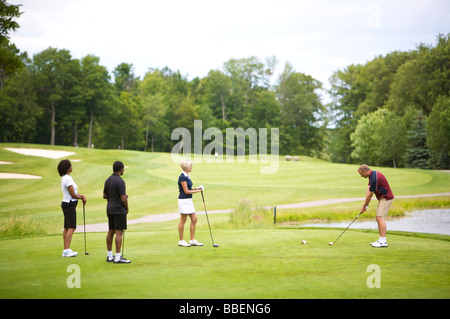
[{"x": 103, "y": 227}]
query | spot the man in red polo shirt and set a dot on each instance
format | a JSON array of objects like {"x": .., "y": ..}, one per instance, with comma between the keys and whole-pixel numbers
[{"x": 379, "y": 186}]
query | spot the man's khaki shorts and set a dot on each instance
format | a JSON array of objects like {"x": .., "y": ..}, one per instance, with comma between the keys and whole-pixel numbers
[{"x": 383, "y": 207}]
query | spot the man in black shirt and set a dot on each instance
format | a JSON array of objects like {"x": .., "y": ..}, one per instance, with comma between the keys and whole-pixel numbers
[{"x": 117, "y": 209}]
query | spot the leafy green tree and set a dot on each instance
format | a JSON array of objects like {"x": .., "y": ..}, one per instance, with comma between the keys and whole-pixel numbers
[
  {"x": 217, "y": 94},
  {"x": 10, "y": 61},
  {"x": 123, "y": 129},
  {"x": 96, "y": 89},
  {"x": 26, "y": 110},
  {"x": 56, "y": 75},
  {"x": 265, "y": 110},
  {"x": 399, "y": 81},
  {"x": 392, "y": 131},
  {"x": 17, "y": 101},
  {"x": 247, "y": 77},
  {"x": 420, "y": 81},
  {"x": 347, "y": 94},
  {"x": 438, "y": 132},
  {"x": 205, "y": 113},
  {"x": 185, "y": 113},
  {"x": 124, "y": 78},
  {"x": 301, "y": 109},
  {"x": 379, "y": 138},
  {"x": 376, "y": 78},
  {"x": 120, "y": 121},
  {"x": 154, "y": 109},
  {"x": 181, "y": 107},
  {"x": 154, "y": 106},
  {"x": 7, "y": 14}
]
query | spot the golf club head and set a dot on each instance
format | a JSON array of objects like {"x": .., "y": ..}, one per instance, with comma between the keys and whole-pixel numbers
[
  {"x": 215, "y": 245},
  {"x": 86, "y": 253}
]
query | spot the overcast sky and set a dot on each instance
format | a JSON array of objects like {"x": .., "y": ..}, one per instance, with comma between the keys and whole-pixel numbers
[{"x": 196, "y": 36}]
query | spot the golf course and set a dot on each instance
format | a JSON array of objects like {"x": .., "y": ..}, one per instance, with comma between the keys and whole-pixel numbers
[{"x": 256, "y": 258}]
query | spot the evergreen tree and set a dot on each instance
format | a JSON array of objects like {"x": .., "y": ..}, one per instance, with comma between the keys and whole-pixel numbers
[{"x": 417, "y": 152}]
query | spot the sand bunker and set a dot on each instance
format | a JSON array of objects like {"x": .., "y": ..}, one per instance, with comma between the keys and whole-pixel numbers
[
  {"x": 18, "y": 176},
  {"x": 32, "y": 152},
  {"x": 41, "y": 153}
]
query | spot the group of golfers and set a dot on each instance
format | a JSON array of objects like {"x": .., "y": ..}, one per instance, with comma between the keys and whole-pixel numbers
[{"x": 114, "y": 192}]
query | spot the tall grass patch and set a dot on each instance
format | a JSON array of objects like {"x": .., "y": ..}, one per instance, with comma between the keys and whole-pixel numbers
[
  {"x": 20, "y": 226},
  {"x": 249, "y": 215},
  {"x": 318, "y": 215},
  {"x": 408, "y": 204}
]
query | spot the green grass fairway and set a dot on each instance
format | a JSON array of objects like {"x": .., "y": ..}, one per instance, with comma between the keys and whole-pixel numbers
[
  {"x": 250, "y": 263},
  {"x": 151, "y": 180},
  {"x": 255, "y": 259}
]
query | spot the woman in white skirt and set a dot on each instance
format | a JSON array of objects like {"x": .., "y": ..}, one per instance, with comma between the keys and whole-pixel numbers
[{"x": 185, "y": 204}]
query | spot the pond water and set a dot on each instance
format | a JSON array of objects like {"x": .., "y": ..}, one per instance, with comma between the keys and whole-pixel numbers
[{"x": 435, "y": 221}]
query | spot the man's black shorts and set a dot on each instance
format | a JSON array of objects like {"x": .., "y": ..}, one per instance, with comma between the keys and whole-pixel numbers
[{"x": 117, "y": 221}]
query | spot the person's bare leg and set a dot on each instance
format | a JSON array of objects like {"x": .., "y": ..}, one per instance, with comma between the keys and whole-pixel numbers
[
  {"x": 193, "y": 217},
  {"x": 183, "y": 218},
  {"x": 67, "y": 236},
  {"x": 109, "y": 239},
  {"x": 381, "y": 226},
  {"x": 118, "y": 240}
]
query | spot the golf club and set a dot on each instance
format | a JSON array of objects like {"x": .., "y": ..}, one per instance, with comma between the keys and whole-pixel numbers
[
  {"x": 84, "y": 227},
  {"x": 214, "y": 245},
  {"x": 332, "y": 243}
]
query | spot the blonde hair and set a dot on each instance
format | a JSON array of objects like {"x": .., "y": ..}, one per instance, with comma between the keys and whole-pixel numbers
[{"x": 185, "y": 164}]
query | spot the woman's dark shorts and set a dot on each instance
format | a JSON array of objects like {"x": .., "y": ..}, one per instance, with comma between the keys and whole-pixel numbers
[{"x": 70, "y": 214}]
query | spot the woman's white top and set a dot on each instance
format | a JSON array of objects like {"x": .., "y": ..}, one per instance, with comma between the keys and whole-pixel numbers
[{"x": 66, "y": 181}]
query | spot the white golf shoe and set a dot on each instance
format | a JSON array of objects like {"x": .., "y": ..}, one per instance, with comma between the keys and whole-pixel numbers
[
  {"x": 69, "y": 253},
  {"x": 121, "y": 260},
  {"x": 194, "y": 242},
  {"x": 379, "y": 244},
  {"x": 183, "y": 243}
]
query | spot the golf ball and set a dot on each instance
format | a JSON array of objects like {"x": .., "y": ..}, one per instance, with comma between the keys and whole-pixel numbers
[
  {"x": 331, "y": 243},
  {"x": 304, "y": 242}
]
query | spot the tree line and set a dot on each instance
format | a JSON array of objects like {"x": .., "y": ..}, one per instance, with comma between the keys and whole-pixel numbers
[
  {"x": 56, "y": 99},
  {"x": 392, "y": 111}
]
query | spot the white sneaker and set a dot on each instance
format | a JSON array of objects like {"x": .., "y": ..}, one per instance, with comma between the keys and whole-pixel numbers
[
  {"x": 121, "y": 260},
  {"x": 194, "y": 242},
  {"x": 69, "y": 253},
  {"x": 379, "y": 244},
  {"x": 183, "y": 243}
]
